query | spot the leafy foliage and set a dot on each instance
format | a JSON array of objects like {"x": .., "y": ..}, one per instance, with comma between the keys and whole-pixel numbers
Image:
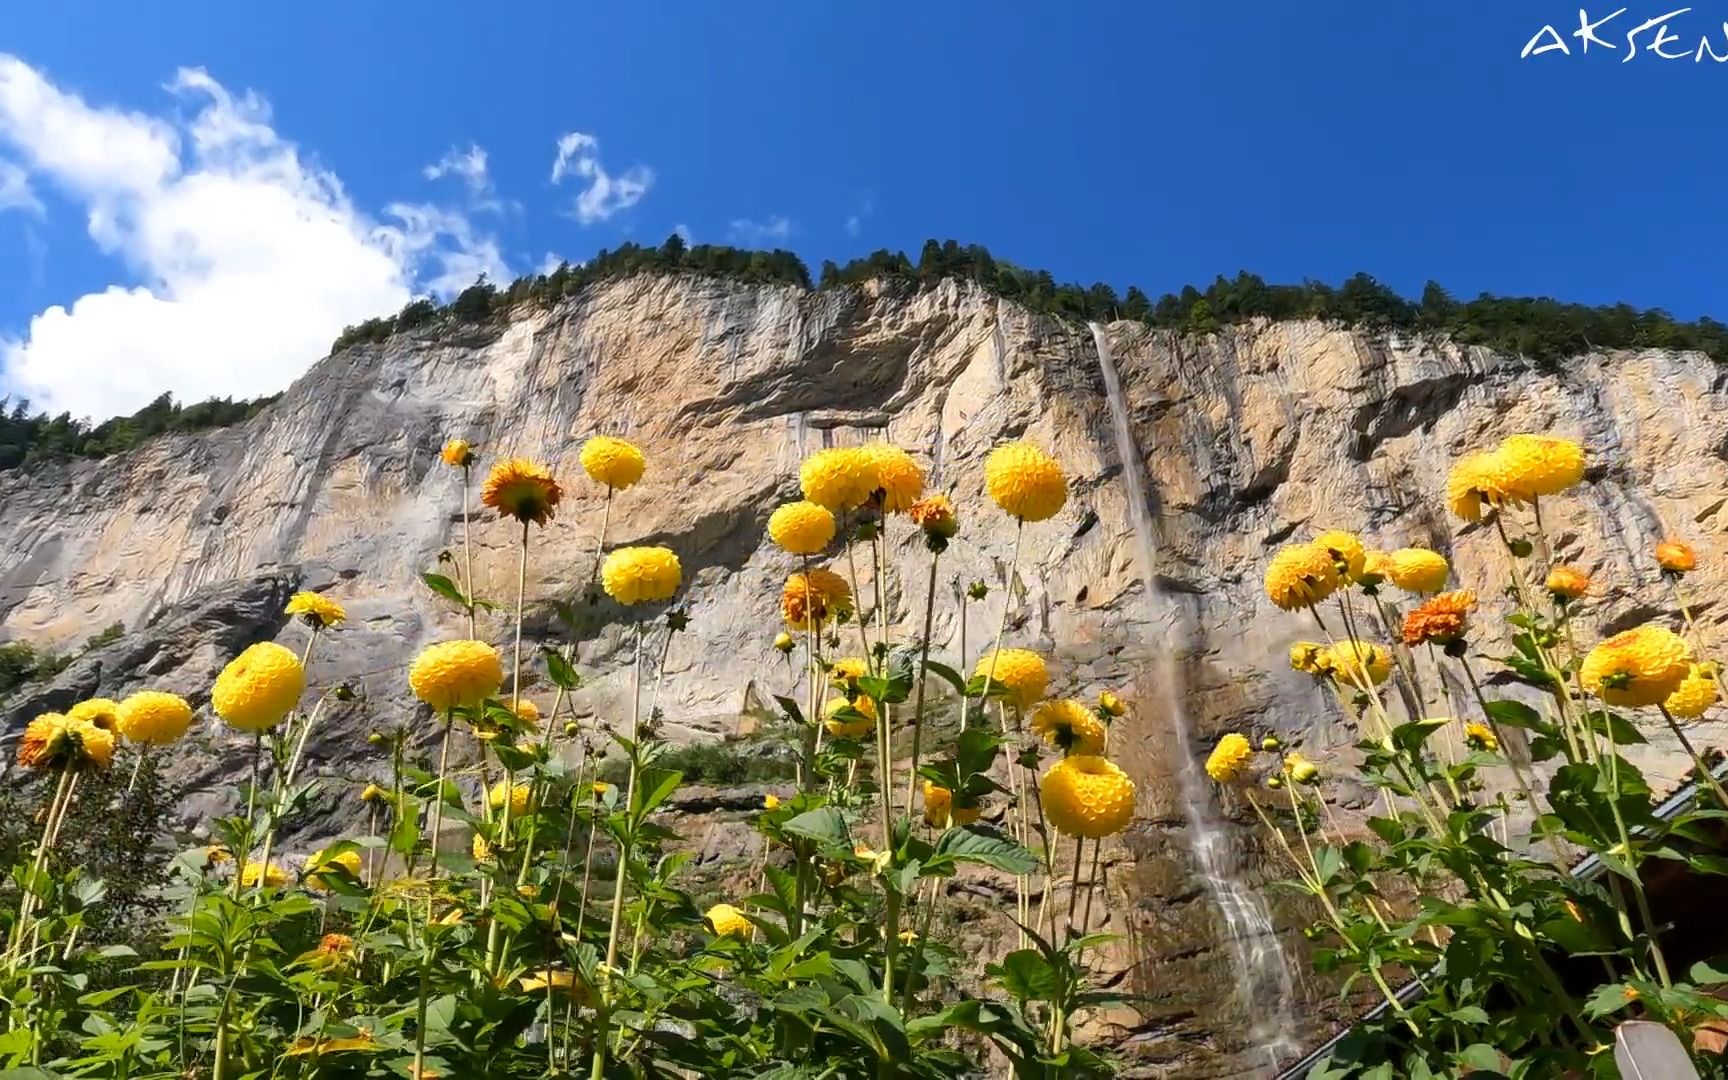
[{"x": 28, "y": 439}]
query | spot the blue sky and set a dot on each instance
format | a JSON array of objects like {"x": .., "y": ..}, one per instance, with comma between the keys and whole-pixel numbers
[{"x": 158, "y": 166}]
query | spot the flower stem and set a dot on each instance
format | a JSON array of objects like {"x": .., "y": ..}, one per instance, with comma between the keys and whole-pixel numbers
[
  {"x": 918, "y": 699},
  {"x": 620, "y": 876},
  {"x": 432, "y": 844},
  {"x": 467, "y": 555},
  {"x": 1704, "y": 773}
]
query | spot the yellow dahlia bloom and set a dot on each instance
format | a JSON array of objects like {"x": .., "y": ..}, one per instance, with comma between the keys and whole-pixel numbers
[
  {"x": 783, "y": 642},
  {"x": 848, "y": 727},
  {"x": 935, "y": 515},
  {"x": 1376, "y": 567},
  {"x": 457, "y": 453},
  {"x": 1441, "y": 619},
  {"x": 1300, "y": 769},
  {"x": 1230, "y": 759},
  {"x": 1022, "y": 671},
  {"x": 526, "y": 711},
  {"x": 521, "y": 797},
  {"x": 847, "y": 670},
  {"x": 1310, "y": 657},
  {"x": 1111, "y": 705},
  {"x": 479, "y": 848},
  {"x": 1418, "y": 570},
  {"x": 838, "y": 478},
  {"x": 600, "y": 788},
  {"x": 1359, "y": 662},
  {"x": 259, "y": 688},
  {"x": 456, "y": 674},
  {"x": 1025, "y": 482},
  {"x": 898, "y": 477},
  {"x": 1300, "y": 576},
  {"x": 273, "y": 876},
  {"x": 347, "y": 860},
  {"x": 1695, "y": 694},
  {"x": 1069, "y": 726},
  {"x": 939, "y": 805},
  {"x": 802, "y": 528},
  {"x": 1345, "y": 548},
  {"x": 318, "y": 610},
  {"x": 613, "y": 462},
  {"x": 154, "y": 717},
  {"x": 54, "y": 741},
  {"x": 521, "y": 489},
  {"x": 1676, "y": 557},
  {"x": 1535, "y": 465},
  {"x": 558, "y": 981},
  {"x": 641, "y": 575},
  {"x": 1641, "y": 666},
  {"x": 1087, "y": 796},
  {"x": 1479, "y": 736},
  {"x": 1475, "y": 479},
  {"x": 811, "y": 599},
  {"x": 1568, "y": 583},
  {"x": 101, "y": 711},
  {"x": 372, "y": 793},
  {"x": 770, "y": 801},
  {"x": 728, "y": 921},
  {"x": 95, "y": 743}
]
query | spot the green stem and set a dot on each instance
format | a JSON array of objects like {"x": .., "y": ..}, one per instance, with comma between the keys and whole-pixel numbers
[
  {"x": 918, "y": 698},
  {"x": 432, "y": 845},
  {"x": 619, "y": 878},
  {"x": 1704, "y": 772}
]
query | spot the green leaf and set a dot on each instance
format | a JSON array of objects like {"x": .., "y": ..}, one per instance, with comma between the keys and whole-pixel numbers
[
  {"x": 888, "y": 690},
  {"x": 790, "y": 708},
  {"x": 971, "y": 844},
  {"x": 948, "y": 674},
  {"x": 1027, "y": 976},
  {"x": 1515, "y": 714},
  {"x": 446, "y": 588},
  {"x": 1705, "y": 975},
  {"x": 1411, "y": 735},
  {"x": 559, "y": 670},
  {"x": 654, "y": 787},
  {"x": 825, "y": 825}
]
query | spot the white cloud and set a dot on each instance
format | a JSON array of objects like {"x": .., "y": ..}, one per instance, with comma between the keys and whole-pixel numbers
[
  {"x": 550, "y": 262},
  {"x": 246, "y": 259},
  {"x": 756, "y": 233},
  {"x": 15, "y": 190},
  {"x": 855, "y": 223},
  {"x": 684, "y": 233},
  {"x": 606, "y": 193}
]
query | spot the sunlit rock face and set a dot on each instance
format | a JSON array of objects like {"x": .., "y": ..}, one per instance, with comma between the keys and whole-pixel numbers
[{"x": 1251, "y": 438}]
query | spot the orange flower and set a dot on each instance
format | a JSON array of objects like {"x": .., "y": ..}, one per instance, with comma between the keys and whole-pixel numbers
[
  {"x": 1440, "y": 619},
  {"x": 814, "y": 598},
  {"x": 1676, "y": 557},
  {"x": 935, "y": 515},
  {"x": 521, "y": 489},
  {"x": 1568, "y": 582}
]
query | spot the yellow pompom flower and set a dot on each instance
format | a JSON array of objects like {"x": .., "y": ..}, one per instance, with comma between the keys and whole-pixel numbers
[
  {"x": 526, "y": 711},
  {"x": 457, "y": 453},
  {"x": 728, "y": 921},
  {"x": 1441, "y": 619},
  {"x": 558, "y": 981},
  {"x": 315, "y": 609},
  {"x": 839, "y": 478},
  {"x": 1069, "y": 726},
  {"x": 641, "y": 575},
  {"x": 521, "y": 489},
  {"x": 1022, "y": 671},
  {"x": 273, "y": 876},
  {"x": 1535, "y": 465},
  {"x": 479, "y": 848},
  {"x": 521, "y": 797},
  {"x": 1230, "y": 759},
  {"x": 940, "y": 811},
  {"x": 372, "y": 793},
  {"x": 259, "y": 688},
  {"x": 1348, "y": 555},
  {"x": 1641, "y": 666},
  {"x": 1479, "y": 736},
  {"x": 1300, "y": 769},
  {"x": 810, "y": 600},
  {"x": 1310, "y": 657},
  {"x": 153, "y": 717},
  {"x": 1300, "y": 576},
  {"x": 95, "y": 744},
  {"x": 770, "y": 801},
  {"x": 54, "y": 741},
  {"x": 101, "y": 711},
  {"x": 802, "y": 528},
  {"x": 1111, "y": 705},
  {"x": 1568, "y": 583},
  {"x": 1676, "y": 557},
  {"x": 1025, "y": 482},
  {"x": 613, "y": 462},
  {"x": 935, "y": 515},
  {"x": 898, "y": 477},
  {"x": 847, "y": 670},
  {"x": 1376, "y": 567},
  {"x": 318, "y": 860},
  {"x": 1475, "y": 480},
  {"x": 1358, "y": 662},
  {"x": 1087, "y": 796},
  {"x": 849, "y": 727},
  {"x": 1418, "y": 570},
  {"x": 456, "y": 674},
  {"x": 1695, "y": 694}
]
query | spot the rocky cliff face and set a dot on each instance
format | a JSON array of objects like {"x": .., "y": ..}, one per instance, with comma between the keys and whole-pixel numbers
[{"x": 1247, "y": 438}]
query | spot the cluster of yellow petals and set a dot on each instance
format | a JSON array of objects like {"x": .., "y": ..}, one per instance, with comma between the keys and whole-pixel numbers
[
  {"x": 898, "y": 478},
  {"x": 56, "y": 741},
  {"x": 1087, "y": 796},
  {"x": 101, "y": 711},
  {"x": 559, "y": 981},
  {"x": 940, "y": 811},
  {"x": 802, "y": 528},
  {"x": 1418, "y": 570},
  {"x": 1473, "y": 483},
  {"x": 1230, "y": 759},
  {"x": 1695, "y": 694},
  {"x": 641, "y": 575},
  {"x": 1348, "y": 555},
  {"x": 154, "y": 717},
  {"x": 1479, "y": 736},
  {"x": 456, "y": 674},
  {"x": 1022, "y": 671},
  {"x": 272, "y": 876},
  {"x": 519, "y": 796},
  {"x": 1111, "y": 705},
  {"x": 1567, "y": 582},
  {"x": 457, "y": 453},
  {"x": 1025, "y": 482},
  {"x": 1440, "y": 619},
  {"x": 259, "y": 688},
  {"x": 935, "y": 515},
  {"x": 612, "y": 462},
  {"x": 316, "y": 609},
  {"x": 1070, "y": 726},
  {"x": 1310, "y": 657},
  {"x": 843, "y": 726},
  {"x": 811, "y": 599},
  {"x": 1300, "y": 769},
  {"x": 1358, "y": 662},
  {"x": 521, "y": 489},
  {"x": 728, "y": 921},
  {"x": 1300, "y": 576},
  {"x": 1523, "y": 468},
  {"x": 1676, "y": 557},
  {"x": 1641, "y": 666},
  {"x": 840, "y": 478},
  {"x": 847, "y": 670},
  {"x": 348, "y": 860}
]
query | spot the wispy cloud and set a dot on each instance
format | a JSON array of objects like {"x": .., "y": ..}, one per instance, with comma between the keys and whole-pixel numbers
[
  {"x": 468, "y": 165},
  {"x": 775, "y": 230},
  {"x": 16, "y": 192},
  {"x": 607, "y": 193},
  {"x": 684, "y": 233},
  {"x": 854, "y": 224},
  {"x": 245, "y": 258}
]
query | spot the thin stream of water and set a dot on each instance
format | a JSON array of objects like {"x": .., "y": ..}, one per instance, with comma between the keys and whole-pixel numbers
[{"x": 1263, "y": 981}]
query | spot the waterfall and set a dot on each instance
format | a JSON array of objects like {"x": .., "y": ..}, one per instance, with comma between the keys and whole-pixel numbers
[{"x": 1263, "y": 981}]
